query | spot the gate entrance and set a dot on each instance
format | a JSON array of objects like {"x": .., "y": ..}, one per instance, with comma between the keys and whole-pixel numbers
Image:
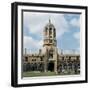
[{"x": 51, "y": 66}]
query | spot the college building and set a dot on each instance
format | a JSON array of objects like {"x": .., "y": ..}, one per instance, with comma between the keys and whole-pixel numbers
[{"x": 48, "y": 58}]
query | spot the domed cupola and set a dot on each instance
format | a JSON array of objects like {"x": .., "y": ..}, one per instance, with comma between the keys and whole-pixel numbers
[{"x": 49, "y": 25}]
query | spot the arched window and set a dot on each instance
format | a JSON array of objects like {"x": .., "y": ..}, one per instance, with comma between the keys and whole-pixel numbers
[
  {"x": 51, "y": 53},
  {"x": 26, "y": 59},
  {"x": 54, "y": 33},
  {"x": 50, "y": 28},
  {"x": 50, "y": 32},
  {"x": 50, "y": 41}
]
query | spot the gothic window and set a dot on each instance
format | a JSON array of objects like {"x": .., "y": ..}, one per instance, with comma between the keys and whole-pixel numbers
[
  {"x": 50, "y": 36},
  {"x": 50, "y": 28},
  {"x": 26, "y": 59},
  {"x": 54, "y": 33},
  {"x": 50, "y": 32},
  {"x": 51, "y": 54},
  {"x": 50, "y": 41},
  {"x": 41, "y": 59},
  {"x": 33, "y": 59}
]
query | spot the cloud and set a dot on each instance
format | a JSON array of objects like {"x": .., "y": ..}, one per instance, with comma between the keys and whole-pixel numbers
[
  {"x": 75, "y": 22},
  {"x": 35, "y": 22},
  {"x": 77, "y": 36},
  {"x": 31, "y": 44},
  {"x": 71, "y": 51}
]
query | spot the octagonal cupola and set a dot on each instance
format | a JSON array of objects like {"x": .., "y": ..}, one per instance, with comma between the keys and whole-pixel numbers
[{"x": 49, "y": 34}]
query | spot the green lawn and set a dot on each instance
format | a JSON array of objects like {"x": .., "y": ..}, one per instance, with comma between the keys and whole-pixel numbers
[{"x": 37, "y": 73}]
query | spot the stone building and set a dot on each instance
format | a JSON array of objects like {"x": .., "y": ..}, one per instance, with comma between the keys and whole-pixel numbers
[{"x": 48, "y": 58}]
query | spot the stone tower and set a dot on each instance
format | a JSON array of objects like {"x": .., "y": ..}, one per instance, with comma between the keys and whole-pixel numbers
[
  {"x": 50, "y": 46},
  {"x": 50, "y": 35}
]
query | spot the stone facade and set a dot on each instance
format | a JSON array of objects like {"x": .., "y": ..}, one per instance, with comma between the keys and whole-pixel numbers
[{"x": 48, "y": 58}]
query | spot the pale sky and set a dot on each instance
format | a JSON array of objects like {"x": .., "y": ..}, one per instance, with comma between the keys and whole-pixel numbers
[{"x": 67, "y": 30}]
